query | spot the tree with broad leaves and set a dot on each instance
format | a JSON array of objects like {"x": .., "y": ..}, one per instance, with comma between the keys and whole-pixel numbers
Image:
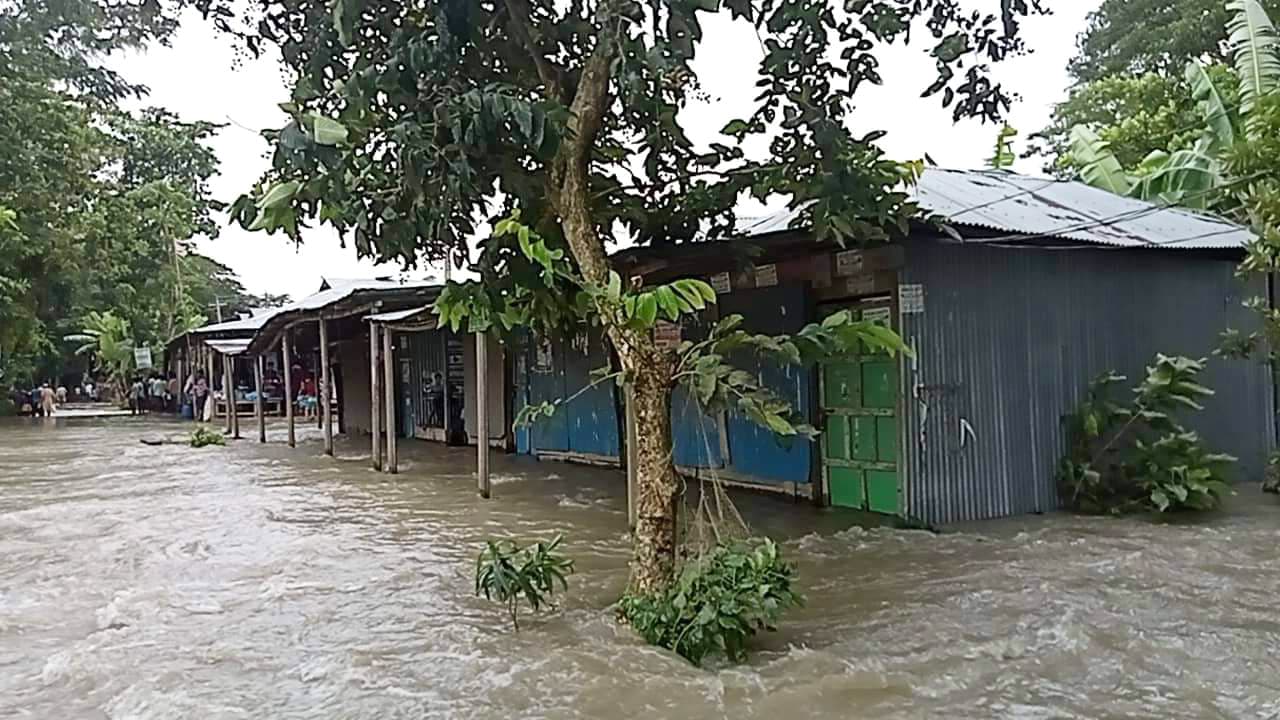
[{"x": 415, "y": 123}]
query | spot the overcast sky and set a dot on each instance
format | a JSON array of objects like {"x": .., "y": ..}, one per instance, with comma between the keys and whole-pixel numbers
[{"x": 201, "y": 78}]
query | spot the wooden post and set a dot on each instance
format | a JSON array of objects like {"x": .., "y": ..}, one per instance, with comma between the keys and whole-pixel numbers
[
  {"x": 226, "y": 383},
  {"x": 389, "y": 393},
  {"x": 632, "y": 459},
  {"x": 482, "y": 413},
  {"x": 208, "y": 376},
  {"x": 232, "y": 408},
  {"x": 375, "y": 398},
  {"x": 288, "y": 383},
  {"x": 257, "y": 403},
  {"x": 326, "y": 388}
]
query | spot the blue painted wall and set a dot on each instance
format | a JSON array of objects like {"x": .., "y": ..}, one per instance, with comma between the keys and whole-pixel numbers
[
  {"x": 589, "y": 423},
  {"x": 754, "y": 451},
  {"x": 557, "y": 368}
]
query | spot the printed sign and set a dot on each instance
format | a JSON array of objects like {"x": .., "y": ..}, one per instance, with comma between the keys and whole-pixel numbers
[
  {"x": 766, "y": 275},
  {"x": 666, "y": 334},
  {"x": 142, "y": 358},
  {"x": 542, "y": 357},
  {"x": 877, "y": 315},
  {"x": 849, "y": 262},
  {"x": 911, "y": 299},
  {"x": 721, "y": 284}
]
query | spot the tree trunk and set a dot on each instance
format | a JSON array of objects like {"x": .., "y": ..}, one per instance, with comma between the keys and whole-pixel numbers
[
  {"x": 655, "y": 534},
  {"x": 650, "y": 367}
]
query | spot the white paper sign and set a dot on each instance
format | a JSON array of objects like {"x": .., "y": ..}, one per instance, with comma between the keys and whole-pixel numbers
[
  {"x": 142, "y": 358},
  {"x": 877, "y": 315},
  {"x": 849, "y": 262},
  {"x": 721, "y": 283},
  {"x": 766, "y": 275},
  {"x": 911, "y": 298}
]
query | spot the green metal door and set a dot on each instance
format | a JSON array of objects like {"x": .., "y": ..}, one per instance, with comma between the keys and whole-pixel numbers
[{"x": 860, "y": 442}]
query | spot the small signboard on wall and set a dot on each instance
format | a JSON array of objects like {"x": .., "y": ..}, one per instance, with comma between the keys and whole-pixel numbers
[
  {"x": 766, "y": 275},
  {"x": 911, "y": 299},
  {"x": 721, "y": 284},
  {"x": 877, "y": 315},
  {"x": 142, "y": 358},
  {"x": 849, "y": 262}
]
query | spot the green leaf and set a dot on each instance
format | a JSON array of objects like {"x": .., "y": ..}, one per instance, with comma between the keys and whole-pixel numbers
[
  {"x": 1100, "y": 167},
  {"x": 735, "y": 128},
  {"x": 667, "y": 302},
  {"x": 279, "y": 193},
  {"x": 646, "y": 309},
  {"x": 1160, "y": 500},
  {"x": 327, "y": 131},
  {"x": 1256, "y": 49},
  {"x": 1206, "y": 95}
]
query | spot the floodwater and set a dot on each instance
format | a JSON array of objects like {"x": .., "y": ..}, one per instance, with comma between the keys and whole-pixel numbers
[{"x": 262, "y": 582}]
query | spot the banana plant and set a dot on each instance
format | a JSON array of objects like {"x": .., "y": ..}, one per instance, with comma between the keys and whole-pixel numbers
[
  {"x": 1188, "y": 177},
  {"x": 108, "y": 340},
  {"x": 1256, "y": 50}
]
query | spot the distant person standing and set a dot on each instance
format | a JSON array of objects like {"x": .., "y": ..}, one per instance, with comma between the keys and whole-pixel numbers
[
  {"x": 171, "y": 394},
  {"x": 137, "y": 397},
  {"x": 200, "y": 395},
  {"x": 61, "y": 394},
  {"x": 48, "y": 400},
  {"x": 156, "y": 387}
]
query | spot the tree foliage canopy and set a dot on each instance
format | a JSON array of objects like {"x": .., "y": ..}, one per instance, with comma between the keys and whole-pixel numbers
[
  {"x": 97, "y": 199},
  {"x": 408, "y": 122},
  {"x": 1137, "y": 37}
]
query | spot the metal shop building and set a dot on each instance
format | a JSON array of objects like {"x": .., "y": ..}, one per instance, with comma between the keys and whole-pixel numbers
[{"x": 1036, "y": 287}]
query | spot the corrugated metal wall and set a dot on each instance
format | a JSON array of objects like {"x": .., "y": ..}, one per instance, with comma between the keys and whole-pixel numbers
[
  {"x": 1006, "y": 346},
  {"x": 555, "y": 369}
]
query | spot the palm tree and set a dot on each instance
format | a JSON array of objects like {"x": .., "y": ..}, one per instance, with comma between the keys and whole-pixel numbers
[{"x": 107, "y": 339}]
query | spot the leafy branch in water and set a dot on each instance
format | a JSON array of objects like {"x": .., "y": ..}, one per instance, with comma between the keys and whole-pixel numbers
[
  {"x": 204, "y": 437},
  {"x": 508, "y": 573},
  {"x": 1137, "y": 457},
  {"x": 718, "y": 603}
]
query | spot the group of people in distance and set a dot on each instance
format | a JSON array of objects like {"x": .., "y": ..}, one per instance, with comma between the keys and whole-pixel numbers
[
  {"x": 154, "y": 392},
  {"x": 44, "y": 399}
]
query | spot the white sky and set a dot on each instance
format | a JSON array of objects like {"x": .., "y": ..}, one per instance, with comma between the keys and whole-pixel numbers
[{"x": 200, "y": 78}]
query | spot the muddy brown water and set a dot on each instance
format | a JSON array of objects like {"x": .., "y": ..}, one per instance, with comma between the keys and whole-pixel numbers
[{"x": 262, "y": 582}]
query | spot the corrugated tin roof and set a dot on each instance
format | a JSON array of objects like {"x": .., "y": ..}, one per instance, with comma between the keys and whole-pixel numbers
[
  {"x": 248, "y": 324},
  {"x": 229, "y": 347},
  {"x": 398, "y": 315},
  {"x": 1020, "y": 206},
  {"x": 356, "y": 291}
]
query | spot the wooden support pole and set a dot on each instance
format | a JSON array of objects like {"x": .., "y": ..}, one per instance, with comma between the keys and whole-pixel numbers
[
  {"x": 632, "y": 460},
  {"x": 208, "y": 377},
  {"x": 326, "y": 387},
  {"x": 389, "y": 396},
  {"x": 226, "y": 385},
  {"x": 287, "y": 346},
  {"x": 257, "y": 403},
  {"x": 232, "y": 407},
  {"x": 375, "y": 398},
  {"x": 482, "y": 413}
]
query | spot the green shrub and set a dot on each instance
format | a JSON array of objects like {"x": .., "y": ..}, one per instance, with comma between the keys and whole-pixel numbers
[
  {"x": 1138, "y": 457},
  {"x": 203, "y": 436},
  {"x": 509, "y": 573},
  {"x": 1271, "y": 478},
  {"x": 718, "y": 602}
]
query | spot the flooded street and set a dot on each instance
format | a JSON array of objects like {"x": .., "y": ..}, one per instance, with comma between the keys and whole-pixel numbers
[{"x": 263, "y": 582}]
